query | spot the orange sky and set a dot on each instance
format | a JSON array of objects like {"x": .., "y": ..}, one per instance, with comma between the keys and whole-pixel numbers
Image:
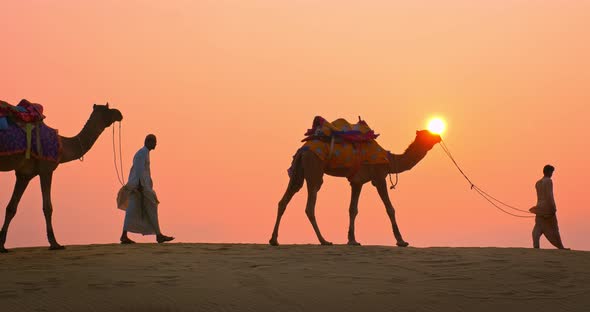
[{"x": 229, "y": 88}]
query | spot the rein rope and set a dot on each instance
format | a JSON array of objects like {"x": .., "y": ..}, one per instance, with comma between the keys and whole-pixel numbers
[
  {"x": 492, "y": 200},
  {"x": 120, "y": 176},
  {"x": 392, "y": 187}
]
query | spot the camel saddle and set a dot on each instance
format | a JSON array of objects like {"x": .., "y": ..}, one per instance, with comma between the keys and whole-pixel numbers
[
  {"x": 22, "y": 131},
  {"x": 339, "y": 130},
  {"x": 344, "y": 145},
  {"x": 24, "y": 112}
]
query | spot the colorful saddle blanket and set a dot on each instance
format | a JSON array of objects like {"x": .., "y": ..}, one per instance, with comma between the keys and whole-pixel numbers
[
  {"x": 348, "y": 155},
  {"x": 341, "y": 129},
  {"x": 13, "y": 140},
  {"x": 344, "y": 145},
  {"x": 24, "y": 112}
]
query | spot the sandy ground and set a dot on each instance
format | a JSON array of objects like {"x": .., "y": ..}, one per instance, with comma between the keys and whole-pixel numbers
[{"x": 246, "y": 277}]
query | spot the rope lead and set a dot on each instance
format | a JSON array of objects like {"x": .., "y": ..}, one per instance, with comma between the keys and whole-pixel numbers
[
  {"x": 396, "y": 180},
  {"x": 492, "y": 200},
  {"x": 121, "y": 176}
]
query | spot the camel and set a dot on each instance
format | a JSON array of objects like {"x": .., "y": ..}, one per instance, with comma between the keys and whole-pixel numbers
[
  {"x": 310, "y": 168},
  {"x": 26, "y": 169}
]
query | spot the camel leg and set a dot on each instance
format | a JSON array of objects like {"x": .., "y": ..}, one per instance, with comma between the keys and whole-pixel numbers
[
  {"x": 291, "y": 190},
  {"x": 19, "y": 188},
  {"x": 48, "y": 209},
  {"x": 295, "y": 184},
  {"x": 353, "y": 211},
  {"x": 312, "y": 194},
  {"x": 381, "y": 186},
  {"x": 313, "y": 173}
]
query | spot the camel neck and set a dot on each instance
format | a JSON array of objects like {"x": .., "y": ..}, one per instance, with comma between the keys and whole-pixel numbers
[
  {"x": 75, "y": 147},
  {"x": 406, "y": 161}
]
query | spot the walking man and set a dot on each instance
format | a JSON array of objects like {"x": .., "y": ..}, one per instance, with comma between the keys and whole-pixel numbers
[
  {"x": 141, "y": 215},
  {"x": 545, "y": 210}
]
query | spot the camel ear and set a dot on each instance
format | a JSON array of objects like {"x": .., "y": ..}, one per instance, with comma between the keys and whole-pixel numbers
[
  {"x": 93, "y": 107},
  {"x": 107, "y": 104}
]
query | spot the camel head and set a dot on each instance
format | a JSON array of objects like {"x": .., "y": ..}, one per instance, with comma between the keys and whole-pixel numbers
[
  {"x": 427, "y": 139},
  {"x": 105, "y": 115}
]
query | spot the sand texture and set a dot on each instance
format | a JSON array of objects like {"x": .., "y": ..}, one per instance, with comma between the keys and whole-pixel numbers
[{"x": 248, "y": 277}]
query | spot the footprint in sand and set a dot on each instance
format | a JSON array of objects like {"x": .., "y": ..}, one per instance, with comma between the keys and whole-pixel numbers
[
  {"x": 29, "y": 286},
  {"x": 98, "y": 286},
  {"x": 167, "y": 283},
  {"x": 53, "y": 282},
  {"x": 397, "y": 279},
  {"x": 254, "y": 266},
  {"x": 9, "y": 293},
  {"x": 166, "y": 280},
  {"x": 544, "y": 291},
  {"x": 498, "y": 260},
  {"x": 125, "y": 283}
]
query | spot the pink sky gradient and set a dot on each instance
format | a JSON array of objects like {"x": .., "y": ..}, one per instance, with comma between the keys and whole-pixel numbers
[{"x": 229, "y": 88}]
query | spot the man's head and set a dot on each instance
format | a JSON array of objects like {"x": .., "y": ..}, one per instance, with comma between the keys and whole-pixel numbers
[
  {"x": 548, "y": 170},
  {"x": 150, "y": 141}
]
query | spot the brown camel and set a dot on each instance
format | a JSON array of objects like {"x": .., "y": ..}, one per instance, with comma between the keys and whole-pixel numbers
[
  {"x": 308, "y": 167},
  {"x": 26, "y": 169}
]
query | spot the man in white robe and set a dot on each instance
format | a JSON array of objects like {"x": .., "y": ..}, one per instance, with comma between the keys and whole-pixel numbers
[
  {"x": 545, "y": 210},
  {"x": 141, "y": 214}
]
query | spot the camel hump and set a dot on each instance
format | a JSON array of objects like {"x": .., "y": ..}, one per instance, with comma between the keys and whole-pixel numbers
[
  {"x": 24, "y": 112},
  {"x": 24, "y": 102},
  {"x": 343, "y": 125},
  {"x": 340, "y": 127}
]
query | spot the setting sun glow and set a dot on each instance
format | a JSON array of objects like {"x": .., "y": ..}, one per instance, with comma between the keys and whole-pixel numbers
[{"x": 436, "y": 125}]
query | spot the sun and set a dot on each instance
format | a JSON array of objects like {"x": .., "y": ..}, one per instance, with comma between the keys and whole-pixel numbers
[{"x": 436, "y": 125}]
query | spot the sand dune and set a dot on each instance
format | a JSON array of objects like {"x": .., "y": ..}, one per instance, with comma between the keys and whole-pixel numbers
[{"x": 244, "y": 277}]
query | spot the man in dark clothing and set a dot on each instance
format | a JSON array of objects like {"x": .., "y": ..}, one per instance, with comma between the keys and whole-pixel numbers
[{"x": 546, "y": 219}]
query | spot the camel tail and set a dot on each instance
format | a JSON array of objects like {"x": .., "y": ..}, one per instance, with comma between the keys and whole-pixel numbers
[{"x": 296, "y": 172}]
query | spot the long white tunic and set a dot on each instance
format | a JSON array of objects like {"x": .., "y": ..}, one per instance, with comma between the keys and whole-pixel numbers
[{"x": 141, "y": 216}]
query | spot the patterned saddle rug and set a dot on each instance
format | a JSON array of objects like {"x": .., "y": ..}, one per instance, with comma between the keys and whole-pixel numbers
[
  {"x": 343, "y": 145},
  {"x": 340, "y": 129},
  {"x": 348, "y": 155},
  {"x": 24, "y": 112},
  {"x": 46, "y": 146}
]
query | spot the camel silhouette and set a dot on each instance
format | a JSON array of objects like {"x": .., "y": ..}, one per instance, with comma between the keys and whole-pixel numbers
[
  {"x": 308, "y": 167},
  {"x": 26, "y": 169}
]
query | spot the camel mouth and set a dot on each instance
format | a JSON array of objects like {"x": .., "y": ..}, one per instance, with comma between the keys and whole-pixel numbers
[
  {"x": 428, "y": 137},
  {"x": 117, "y": 116},
  {"x": 436, "y": 138}
]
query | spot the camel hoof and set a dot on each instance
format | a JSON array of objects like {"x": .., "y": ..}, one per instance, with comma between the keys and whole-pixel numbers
[
  {"x": 326, "y": 243},
  {"x": 402, "y": 244},
  {"x": 354, "y": 243},
  {"x": 57, "y": 247},
  {"x": 273, "y": 242}
]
